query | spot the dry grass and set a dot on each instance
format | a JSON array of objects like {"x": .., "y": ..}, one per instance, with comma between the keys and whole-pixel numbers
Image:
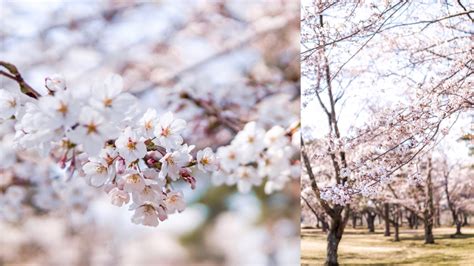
[{"x": 359, "y": 247}]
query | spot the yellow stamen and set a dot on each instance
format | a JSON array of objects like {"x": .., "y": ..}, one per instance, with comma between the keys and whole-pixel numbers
[
  {"x": 63, "y": 109},
  {"x": 108, "y": 102},
  {"x": 91, "y": 128}
]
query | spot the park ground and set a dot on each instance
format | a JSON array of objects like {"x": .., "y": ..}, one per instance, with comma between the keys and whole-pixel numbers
[{"x": 360, "y": 247}]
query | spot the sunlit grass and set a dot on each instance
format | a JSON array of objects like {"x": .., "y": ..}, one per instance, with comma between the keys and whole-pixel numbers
[{"x": 359, "y": 247}]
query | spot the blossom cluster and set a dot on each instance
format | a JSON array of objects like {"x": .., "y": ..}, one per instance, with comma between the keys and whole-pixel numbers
[
  {"x": 103, "y": 136},
  {"x": 30, "y": 184},
  {"x": 337, "y": 194},
  {"x": 255, "y": 156}
]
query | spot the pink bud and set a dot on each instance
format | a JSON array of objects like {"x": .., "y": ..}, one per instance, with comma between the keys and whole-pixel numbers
[
  {"x": 186, "y": 175},
  {"x": 120, "y": 166},
  {"x": 62, "y": 161}
]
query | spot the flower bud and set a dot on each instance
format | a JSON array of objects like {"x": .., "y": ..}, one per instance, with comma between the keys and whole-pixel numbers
[{"x": 55, "y": 83}]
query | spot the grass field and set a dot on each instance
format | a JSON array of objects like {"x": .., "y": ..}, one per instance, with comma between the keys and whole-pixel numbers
[{"x": 360, "y": 247}]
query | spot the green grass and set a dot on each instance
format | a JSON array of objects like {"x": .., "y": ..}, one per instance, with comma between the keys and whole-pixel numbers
[{"x": 360, "y": 247}]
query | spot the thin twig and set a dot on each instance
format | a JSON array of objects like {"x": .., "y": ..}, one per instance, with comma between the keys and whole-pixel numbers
[{"x": 16, "y": 76}]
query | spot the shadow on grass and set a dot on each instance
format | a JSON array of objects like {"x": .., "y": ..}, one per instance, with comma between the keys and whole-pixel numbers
[
  {"x": 432, "y": 259},
  {"x": 437, "y": 237}
]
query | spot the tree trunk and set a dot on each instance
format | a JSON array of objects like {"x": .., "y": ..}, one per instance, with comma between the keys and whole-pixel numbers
[
  {"x": 354, "y": 220},
  {"x": 438, "y": 214},
  {"x": 465, "y": 223},
  {"x": 429, "y": 238},
  {"x": 370, "y": 222},
  {"x": 429, "y": 208},
  {"x": 396, "y": 236},
  {"x": 325, "y": 225},
  {"x": 338, "y": 223},
  {"x": 458, "y": 228},
  {"x": 334, "y": 237},
  {"x": 411, "y": 219},
  {"x": 386, "y": 218}
]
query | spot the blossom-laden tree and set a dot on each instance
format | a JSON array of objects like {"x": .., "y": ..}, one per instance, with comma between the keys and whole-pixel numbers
[
  {"x": 457, "y": 185},
  {"x": 415, "y": 193},
  {"x": 382, "y": 83}
]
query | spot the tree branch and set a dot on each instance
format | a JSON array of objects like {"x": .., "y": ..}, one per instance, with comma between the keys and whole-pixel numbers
[{"x": 16, "y": 76}]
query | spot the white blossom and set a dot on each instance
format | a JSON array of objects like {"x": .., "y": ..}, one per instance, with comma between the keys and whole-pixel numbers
[
  {"x": 97, "y": 171},
  {"x": 119, "y": 197},
  {"x": 172, "y": 162},
  {"x": 206, "y": 160},
  {"x": 109, "y": 98},
  {"x": 60, "y": 109},
  {"x": 134, "y": 182},
  {"x": 55, "y": 83},
  {"x": 130, "y": 146},
  {"x": 9, "y": 104},
  {"x": 147, "y": 214},
  {"x": 92, "y": 132},
  {"x": 247, "y": 177},
  {"x": 148, "y": 122},
  {"x": 175, "y": 202},
  {"x": 168, "y": 131}
]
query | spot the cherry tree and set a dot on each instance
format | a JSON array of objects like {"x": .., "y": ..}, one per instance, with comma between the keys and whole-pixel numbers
[
  {"x": 382, "y": 83},
  {"x": 457, "y": 188}
]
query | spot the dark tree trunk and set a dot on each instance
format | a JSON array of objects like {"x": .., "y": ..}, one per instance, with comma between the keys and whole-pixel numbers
[
  {"x": 429, "y": 208},
  {"x": 411, "y": 219},
  {"x": 370, "y": 222},
  {"x": 416, "y": 221},
  {"x": 325, "y": 225},
  {"x": 386, "y": 218},
  {"x": 438, "y": 214},
  {"x": 334, "y": 237},
  {"x": 396, "y": 235},
  {"x": 354, "y": 220},
  {"x": 429, "y": 238},
  {"x": 465, "y": 223},
  {"x": 458, "y": 227},
  {"x": 338, "y": 223}
]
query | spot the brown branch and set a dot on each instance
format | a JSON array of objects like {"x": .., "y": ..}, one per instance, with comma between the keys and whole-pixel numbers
[
  {"x": 211, "y": 110},
  {"x": 314, "y": 184},
  {"x": 16, "y": 76},
  {"x": 465, "y": 9}
]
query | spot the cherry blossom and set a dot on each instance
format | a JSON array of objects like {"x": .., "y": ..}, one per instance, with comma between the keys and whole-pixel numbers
[
  {"x": 206, "y": 160},
  {"x": 270, "y": 155},
  {"x": 92, "y": 132},
  {"x": 9, "y": 103},
  {"x": 60, "y": 109},
  {"x": 108, "y": 98},
  {"x": 148, "y": 123},
  {"x": 173, "y": 161},
  {"x": 97, "y": 171},
  {"x": 168, "y": 131},
  {"x": 130, "y": 146},
  {"x": 119, "y": 197},
  {"x": 148, "y": 214},
  {"x": 174, "y": 202},
  {"x": 100, "y": 139},
  {"x": 55, "y": 83}
]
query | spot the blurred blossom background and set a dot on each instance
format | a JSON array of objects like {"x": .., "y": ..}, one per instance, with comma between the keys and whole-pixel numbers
[{"x": 199, "y": 59}]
